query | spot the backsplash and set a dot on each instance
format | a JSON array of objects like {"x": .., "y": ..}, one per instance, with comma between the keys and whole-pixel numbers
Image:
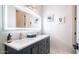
[{"x": 16, "y": 34}]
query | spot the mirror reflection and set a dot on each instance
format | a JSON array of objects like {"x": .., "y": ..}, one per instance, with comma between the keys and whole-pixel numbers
[{"x": 17, "y": 18}]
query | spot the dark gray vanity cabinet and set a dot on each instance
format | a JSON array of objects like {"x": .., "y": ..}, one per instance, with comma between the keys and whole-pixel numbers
[
  {"x": 48, "y": 45},
  {"x": 14, "y": 51},
  {"x": 44, "y": 46},
  {"x": 40, "y": 47},
  {"x": 27, "y": 50},
  {"x": 35, "y": 48}
]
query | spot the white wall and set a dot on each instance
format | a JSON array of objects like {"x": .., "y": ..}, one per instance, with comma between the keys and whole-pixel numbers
[
  {"x": 77, "y": 23},
  {"x": 0, "y": 18},
  {"x": 1, "y": 36},
  {"x": 61, "y": 34}
]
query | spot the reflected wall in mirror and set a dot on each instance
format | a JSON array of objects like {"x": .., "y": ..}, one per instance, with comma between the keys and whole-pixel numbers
[
  {"x": 21, "y": 20},
  {"x": 20, "y": 17}
]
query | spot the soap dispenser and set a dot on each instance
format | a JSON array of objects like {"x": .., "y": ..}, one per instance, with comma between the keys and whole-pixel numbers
[{"x": 9, "y": 38}]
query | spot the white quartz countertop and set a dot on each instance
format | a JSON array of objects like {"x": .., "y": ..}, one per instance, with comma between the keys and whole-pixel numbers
[{"x": 20, "y": 44}]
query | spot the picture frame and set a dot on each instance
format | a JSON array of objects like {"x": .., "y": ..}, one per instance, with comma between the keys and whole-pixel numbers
[
  {"x": 50, "y": 18},
  {"x": 61, "y": 20}
]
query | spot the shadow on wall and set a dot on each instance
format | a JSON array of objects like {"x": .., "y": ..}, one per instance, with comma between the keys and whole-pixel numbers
[{"x": 59, "y": 47}]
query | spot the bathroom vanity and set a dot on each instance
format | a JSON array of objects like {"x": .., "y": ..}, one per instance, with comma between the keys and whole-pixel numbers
[
  {"x": 20, "y": 17},
  {"x": 37, "y": 45}
]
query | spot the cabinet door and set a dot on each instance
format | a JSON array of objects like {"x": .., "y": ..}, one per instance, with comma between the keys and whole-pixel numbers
[
  {"x": 42, "y": 46},
  {"x": 48, "y": 45},
  {"x": 27, "y": 50},
  {"x": 12, "y": 51},
  {"x": 35, "y": 48}
]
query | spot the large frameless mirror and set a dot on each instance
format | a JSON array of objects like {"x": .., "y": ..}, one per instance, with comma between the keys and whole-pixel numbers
[{"x": 20, "y": 17}]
